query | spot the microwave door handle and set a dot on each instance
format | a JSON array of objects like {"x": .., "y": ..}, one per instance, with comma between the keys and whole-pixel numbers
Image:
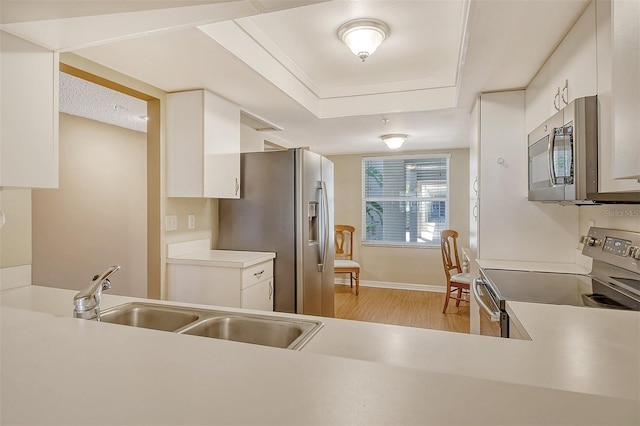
[
  {"x": 493, "y": 316},
  {"x": 552, "y": 167}
]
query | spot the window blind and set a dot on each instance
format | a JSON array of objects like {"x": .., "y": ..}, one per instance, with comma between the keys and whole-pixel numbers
[{"x": 405, "y": 200}]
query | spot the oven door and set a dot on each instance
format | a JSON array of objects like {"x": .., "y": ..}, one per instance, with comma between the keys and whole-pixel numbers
[{"x": 490, "y": 314}]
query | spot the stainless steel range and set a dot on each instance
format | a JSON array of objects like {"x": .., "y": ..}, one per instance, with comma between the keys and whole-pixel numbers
[{"x": 614, "y": 281}]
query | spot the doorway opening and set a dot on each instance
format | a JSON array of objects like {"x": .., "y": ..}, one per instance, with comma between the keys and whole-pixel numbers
[{"x": 107, "y": 208}]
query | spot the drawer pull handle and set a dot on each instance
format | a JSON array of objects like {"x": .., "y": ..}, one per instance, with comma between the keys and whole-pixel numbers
[
  {"x": 258, "y": 274},
  {"x": 270, "y": 289}
]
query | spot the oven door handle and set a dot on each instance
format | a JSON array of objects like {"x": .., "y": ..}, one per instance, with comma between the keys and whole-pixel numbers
[{"x": 493, "y": 316}]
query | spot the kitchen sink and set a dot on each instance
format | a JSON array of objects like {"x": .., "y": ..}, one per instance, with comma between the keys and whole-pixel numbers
[
  {"x": 267, "y": 330},
  {"x": 156, "y": 317},
  {"x": 258, "y": 330}
]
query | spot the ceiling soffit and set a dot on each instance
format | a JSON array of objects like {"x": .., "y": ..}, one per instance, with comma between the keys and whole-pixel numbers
[
  {"x": 298, "y": 51},
  {"x": 66, "y": 25}
]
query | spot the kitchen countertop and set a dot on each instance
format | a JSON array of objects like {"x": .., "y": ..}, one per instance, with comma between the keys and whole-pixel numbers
[
  {"x": 349, "y": 373},
  {"x": 222, "y": 258}
]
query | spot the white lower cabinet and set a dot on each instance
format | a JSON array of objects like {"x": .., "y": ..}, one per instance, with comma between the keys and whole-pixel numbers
[
  {"x": 258, "y": 296},
  {"x": 222, "y": 278}
]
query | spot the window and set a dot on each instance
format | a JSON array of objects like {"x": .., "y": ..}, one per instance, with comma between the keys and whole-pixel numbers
[{"x": 405, "y": 200}]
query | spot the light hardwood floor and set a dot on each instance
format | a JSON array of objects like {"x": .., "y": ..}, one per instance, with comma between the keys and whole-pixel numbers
[{"x": 400, "y": 307}]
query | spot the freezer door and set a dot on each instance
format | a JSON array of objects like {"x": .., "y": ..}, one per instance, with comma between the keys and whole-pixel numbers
[{"x": 264, "y": 218}]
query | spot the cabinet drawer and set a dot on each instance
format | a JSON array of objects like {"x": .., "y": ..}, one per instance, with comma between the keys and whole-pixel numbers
[{"x": 255, "y": 274}]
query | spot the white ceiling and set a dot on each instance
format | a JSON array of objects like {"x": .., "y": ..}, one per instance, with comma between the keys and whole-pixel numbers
[
  {"x": 286, "y": 64},
  {"x": 89, "y": 100}
]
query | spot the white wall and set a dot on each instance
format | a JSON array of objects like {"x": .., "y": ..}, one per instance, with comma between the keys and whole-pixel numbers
[
  {"x": 98, "y": 216},
  {"x": 510, "y": 226},
  {"x": 15, "y": 235},
  {"x": 250, "y": 139},
  {"x": 15, "y": 238}
]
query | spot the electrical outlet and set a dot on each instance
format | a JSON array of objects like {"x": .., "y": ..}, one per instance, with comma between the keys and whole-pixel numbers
[
  {"x": 192, "y": 221},
  {"x": 171, "y": 223}
]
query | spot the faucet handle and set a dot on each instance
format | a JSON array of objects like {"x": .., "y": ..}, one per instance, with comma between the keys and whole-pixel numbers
[{"x": 106, "y": 284}]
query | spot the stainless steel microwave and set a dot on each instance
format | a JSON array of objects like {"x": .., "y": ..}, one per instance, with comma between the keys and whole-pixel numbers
[{"x": 563, "y": 158}]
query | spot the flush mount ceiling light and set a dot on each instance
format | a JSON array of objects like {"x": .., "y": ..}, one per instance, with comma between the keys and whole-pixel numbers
[
  {"x": 363, "y": 36},
  {"x": 394, "y": 141}
]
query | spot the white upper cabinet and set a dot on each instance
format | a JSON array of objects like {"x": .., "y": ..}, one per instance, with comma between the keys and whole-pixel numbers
[
  {"x": 203, "y": 146},
  {"x": 568, "y": 74},
  {"x": 28, "y": 114},
  {"x": 600, "y": 55},
  {"x": 618, "y": 34}
]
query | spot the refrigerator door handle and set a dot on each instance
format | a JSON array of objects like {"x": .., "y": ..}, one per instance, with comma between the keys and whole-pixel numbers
[{"x": 325, "y": 227}]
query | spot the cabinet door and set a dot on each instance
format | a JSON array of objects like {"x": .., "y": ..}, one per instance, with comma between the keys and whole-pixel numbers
[
  {"x": 617, "y": 155},
  {"x": 184, "y": 144},
  {"x": 258, "y": 296},
  {"x": 29, "y": 114},
  {"x": 208, "y": 285},
  {"x": 221, "y": 148},
  {"x": 576, "y": 75},
  {"x": 626, "y": 89},
  {"x": 203, "y": 146},
  {"x": 569, "y": 73}
]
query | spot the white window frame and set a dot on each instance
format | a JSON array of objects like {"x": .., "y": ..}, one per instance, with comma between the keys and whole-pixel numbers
[{"x": 363, "y": 234}]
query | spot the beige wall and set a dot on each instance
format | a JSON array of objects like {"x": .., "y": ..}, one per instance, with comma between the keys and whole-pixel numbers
[
  {"x": 98, "y": 216},
  {"x": 15, "y": 235},
  {"x": 400, "y": 265}
]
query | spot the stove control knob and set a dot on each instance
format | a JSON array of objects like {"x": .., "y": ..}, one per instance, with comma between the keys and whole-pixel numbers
[
  {"x": 630, "y": 251},
  {"x": 590, "y": 241},
  {"x": 636, "y": 253}
]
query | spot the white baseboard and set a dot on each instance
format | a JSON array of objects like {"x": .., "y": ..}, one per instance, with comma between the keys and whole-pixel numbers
[
  {"x": 15, "y": 276},
  {"x": 396, "y": 286}
]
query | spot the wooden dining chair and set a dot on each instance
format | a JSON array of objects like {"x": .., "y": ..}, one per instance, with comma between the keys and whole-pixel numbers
[
  {"x": 459, "y": 282},
  {"x": 344, "y": 263}
]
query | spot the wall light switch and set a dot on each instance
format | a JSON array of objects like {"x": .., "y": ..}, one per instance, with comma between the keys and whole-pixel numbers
[
  {"x": 171, "y": 223},
  {"x": 192, "y": 221}
]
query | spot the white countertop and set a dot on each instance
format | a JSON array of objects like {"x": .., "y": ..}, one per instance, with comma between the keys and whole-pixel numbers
[
  {"x": 138, "y": 376},
  {"x": 222, "y": 258}
]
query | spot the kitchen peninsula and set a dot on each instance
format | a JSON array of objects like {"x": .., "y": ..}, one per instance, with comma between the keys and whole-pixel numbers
[{"x": 57, "y": 369}]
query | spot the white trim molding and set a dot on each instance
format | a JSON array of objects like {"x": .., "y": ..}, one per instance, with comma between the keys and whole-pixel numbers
[
  {"x": 15, "y": 276},
  {"x": 395, "y": 286}
]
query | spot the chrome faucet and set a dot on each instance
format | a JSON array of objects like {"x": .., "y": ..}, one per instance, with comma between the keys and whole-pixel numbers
[{"x": 87, "y": 302}]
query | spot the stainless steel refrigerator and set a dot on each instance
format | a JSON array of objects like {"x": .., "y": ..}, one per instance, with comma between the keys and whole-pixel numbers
[{"x": 286, "y": 207}]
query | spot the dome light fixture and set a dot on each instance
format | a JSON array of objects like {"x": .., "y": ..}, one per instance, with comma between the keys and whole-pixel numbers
[
  {"x": 394, "y": 141},
  {"x": 363, "y": 36}
]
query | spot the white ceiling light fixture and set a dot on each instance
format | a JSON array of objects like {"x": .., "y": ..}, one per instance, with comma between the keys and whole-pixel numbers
[
  {"x": 363, "y": 36},
  {"x": 394, "y": 141}
]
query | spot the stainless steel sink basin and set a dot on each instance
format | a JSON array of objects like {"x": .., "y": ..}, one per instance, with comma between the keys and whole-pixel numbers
[
  {"x": 268, "y": 330},
  {"x": 258, "y": 330},
  {"x": 157, "y": 317}
]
